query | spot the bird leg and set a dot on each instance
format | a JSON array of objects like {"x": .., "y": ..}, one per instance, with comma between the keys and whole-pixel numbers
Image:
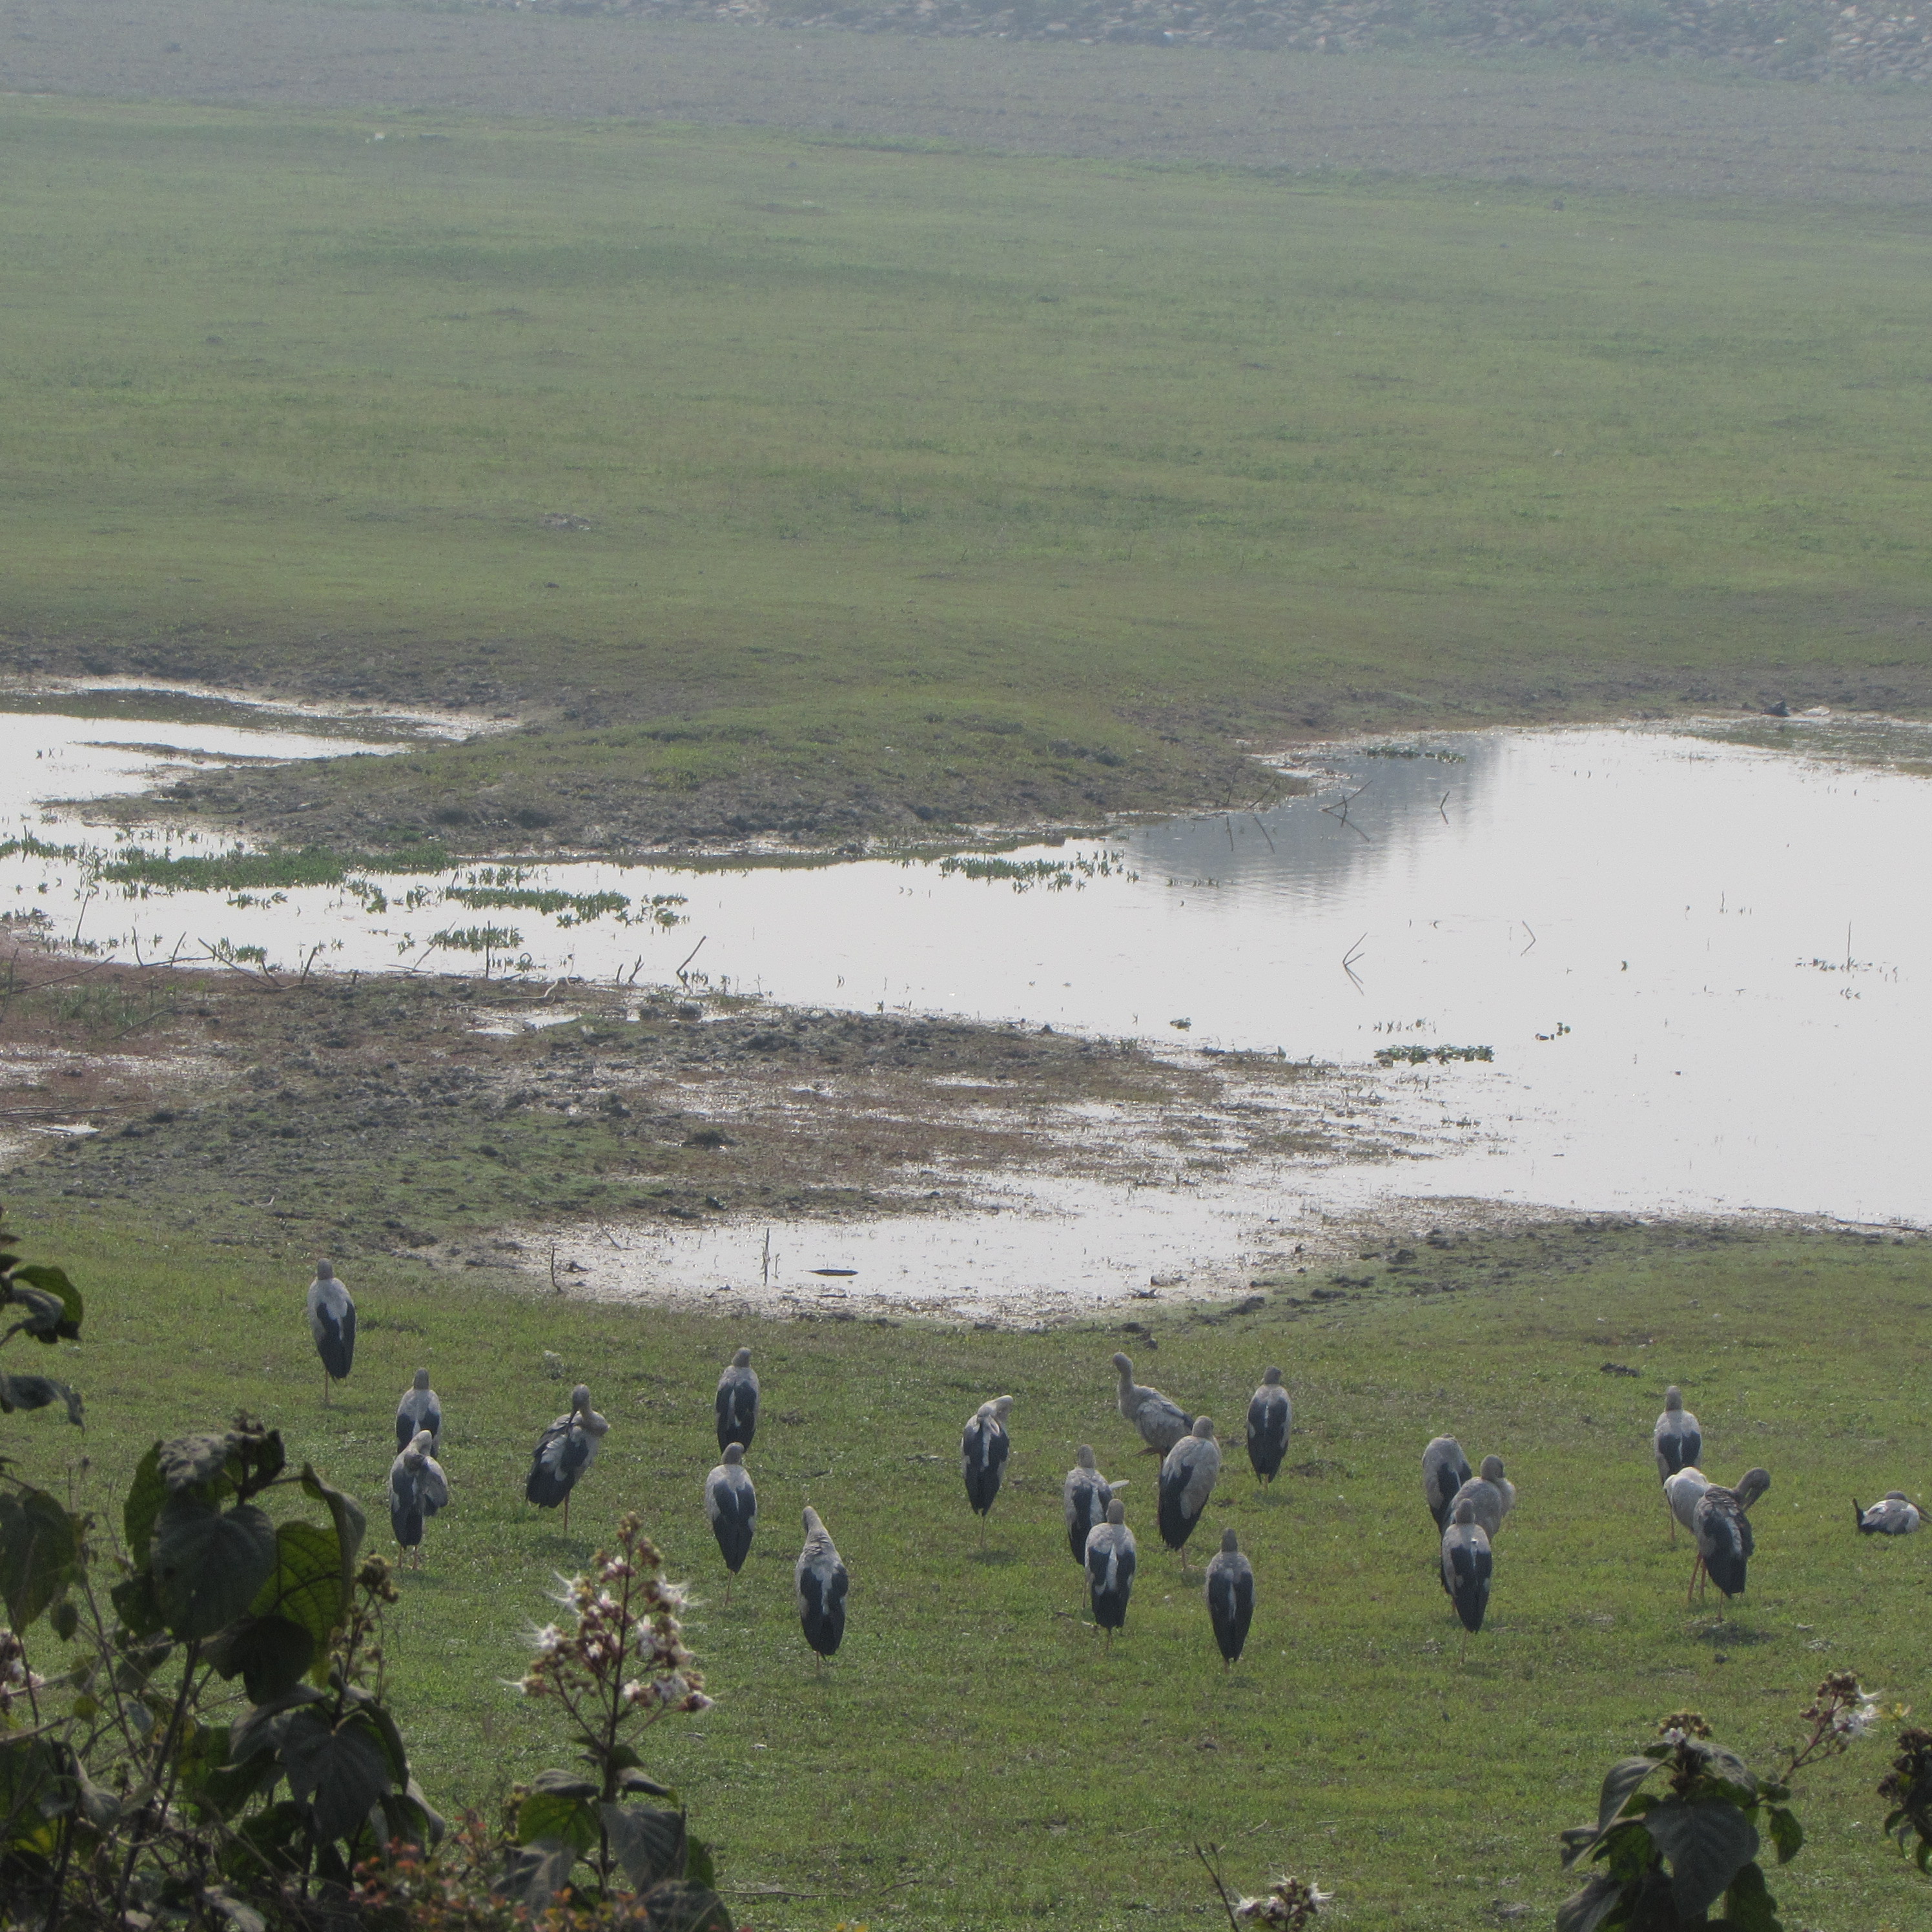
[
  {"x": 728, "y": 1582},
  {"x": 325, "y": 1388},
  {"x": 566, "y": 1512}
]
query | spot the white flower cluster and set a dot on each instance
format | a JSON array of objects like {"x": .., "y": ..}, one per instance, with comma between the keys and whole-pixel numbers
[{"x": 1291, "y": 1901}]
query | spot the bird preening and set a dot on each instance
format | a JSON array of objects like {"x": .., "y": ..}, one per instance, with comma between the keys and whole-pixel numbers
[
  {"x": 332, "y": 1320},
  {"x": 1721, "y": 1524},
  {"x": 737, "y": 1402},
  {"x": 822, "y": 1584},
  {"x": 1491, "y": 1495},
  {"x": 1893, "y": 1514},
  {"x": 1271, "y": 1415},
  {"x": 731, "y": 1504},
  {"x": 1444, "y": 1470},
  {"x": 418, "y": 1489},
  {"x": 1161, "y": 1423},
  {"x": 983, "y": 1450},
  {"x": 564, "y": 1451}
]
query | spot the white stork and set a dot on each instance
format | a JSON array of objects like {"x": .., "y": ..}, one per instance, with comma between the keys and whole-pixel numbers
[
  {"x": 418, "y": 1489},
  {"x": 983, "y": 1450},
  {"x": 1161, "y": 1423},
  {"x": 737, "y": 1402},
  {"x": 1893, "y": 1514},
  {"x": 1187, "y": 1478},
  {"x": 332, "y": 1320},
  {"x": 1110, "y": 1560},
  {"x": 1467, "y": 1567},
  {"x": 1725, "y": 1544},
  {"x": 1677, "y": 1442},
  {"x": 1231, "y": 1598},
  {"x": 1085, "y": 1496},
  {"x": 1270, "y": 1416},
  {"x": 564, "y": 1451},
  {"x": 419, "y": 1409},
  {"x": 731, "y": 1504},
  {"x": 823, "y": 1585},
  {"x": 1444, "y": 1470}
]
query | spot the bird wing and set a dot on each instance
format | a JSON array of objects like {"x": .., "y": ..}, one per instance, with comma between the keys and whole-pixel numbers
[
  {"x": 435, "y": 1487},
  {"x": 406, "y": 1422}
]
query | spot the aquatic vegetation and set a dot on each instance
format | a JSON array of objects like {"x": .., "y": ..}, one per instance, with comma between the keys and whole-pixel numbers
[
  {"x": 1421, "y": 1056},
  {"x": 569, "y": 908},
  {"x": 240, "y": 872},
  {"x": 1058, "y": 875}
]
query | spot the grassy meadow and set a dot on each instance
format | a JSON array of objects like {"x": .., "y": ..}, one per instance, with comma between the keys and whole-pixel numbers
[
  {"x": 974, "y": 1757},
  {"x": 919, "y": 479}
]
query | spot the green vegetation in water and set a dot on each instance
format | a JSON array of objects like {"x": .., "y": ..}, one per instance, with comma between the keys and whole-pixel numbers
[
  {"x": 576, "y": 908},
  {"x": 232, "y": 871},
  {"x": 1348, "y": 1743},
  {"x": 1421, "y": 1056},
  {"x": 1058, "y": 875},
  {"x": 809, "y": 487},
  {"x": 1413, "y": 752}
]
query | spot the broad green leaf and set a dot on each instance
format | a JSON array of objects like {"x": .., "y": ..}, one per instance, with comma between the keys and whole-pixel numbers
[
  {"x": 53, "y": 1281},
  {"x": 269, "y": 1654},
  {"x": 1728, "y": 1769},
  {"x": 650, "y": 1845},
  {"x": 208, "y": 1780},
  {"x": 346, "y": 1515},
  {"x": 38, "y": 1547},
  {"x": 1787, "y": 1835},
  {"x": 262, "y": 1729},
  {"x": 553, "y": 1816},
  {"x": 699, "y": 1868},
  {"x": 536, "y": 1873},
  {"x": 65, "y": 1619},
  {"x": 340, "y": 1774},
  {"x": 306, "y": 1587},
  {"x": 1622, "y": 1779},
  {"x": 270, "y": 1839},
  {"x": 1749, "y": 1904},
  {"x": 208, "y": 1564},
  {"x": 145, "y": 1495},
  {"x": 1708, "y": 1843},
  {"x": 18, "y": 1392},
  {"x": 634, "y": 1780},
  {"x": 136, "y": 1604}
]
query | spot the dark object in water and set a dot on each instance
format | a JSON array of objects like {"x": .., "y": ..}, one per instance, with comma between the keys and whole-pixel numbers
[{"x": 837, "y": 1271}]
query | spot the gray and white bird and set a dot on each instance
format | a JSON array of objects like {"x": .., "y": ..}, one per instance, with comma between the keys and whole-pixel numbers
[
  {"x": 419, "y": 1409},
  {"x": 1444, "y": 1470},
  {"x": 1725, "y": 1544},
  {"x": 1677, "y": 1441},
  {"x": 1893, "y": 1514},
  {"x": 564, "y": 1451},
  {"x": 332, "y": 1320},
  {"x": 1161, "y": 1423},
  {"x": 1085, "y": 1496},
  {"x": 1681, "y": 1492},
  {"x": 822, "y": 1586},
  {"x": 1271, "y": 1415},
  {"x": 983, "y": 1450},
  {"x": 1187, "y": 1478},
  {"x": 732, "y": 1505},
  {"x": 1231, "y": 1598},
  {"x": 738, "y": 1402},
  {"x": 1110, "y": 1559},
  {"x": 418, "y": 1489},
  {"x": 1468, "y": 1566},
  {"x": 1492, "y": 1493}
]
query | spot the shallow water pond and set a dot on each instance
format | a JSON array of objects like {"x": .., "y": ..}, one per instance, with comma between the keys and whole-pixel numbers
[{"x": 1696, "y": 966}]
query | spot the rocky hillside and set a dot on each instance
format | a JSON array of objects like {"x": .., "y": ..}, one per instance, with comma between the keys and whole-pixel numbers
[{"x": 1804, "y": 40}]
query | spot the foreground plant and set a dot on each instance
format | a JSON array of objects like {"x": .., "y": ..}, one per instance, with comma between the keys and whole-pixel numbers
[
  {"x": 1909, "y": 1786},
  {"x": 1289, "y": 1901},
  {"x": 1671, "y": 1856}
]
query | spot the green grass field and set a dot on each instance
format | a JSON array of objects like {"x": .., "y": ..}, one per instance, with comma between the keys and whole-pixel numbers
[
  {"x": 973, "y": 1758},
  {"x": 988, "y": 486}
]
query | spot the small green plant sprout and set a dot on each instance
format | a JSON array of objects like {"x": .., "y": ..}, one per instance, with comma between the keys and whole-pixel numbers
[
  {"x": 619, "y": 1667},
  {"x": 1289, "y": 1901},
  {"x": 1908, "y": 1786},
  {"x": 1671, "y": 1855}
]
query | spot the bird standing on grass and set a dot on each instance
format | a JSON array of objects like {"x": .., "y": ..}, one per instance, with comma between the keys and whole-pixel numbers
[
  {"x": 1725, "y": 1544},
  {"x": 1677, "y": 1441},
  {"x": 332, "y": 1320},
  {"x": 1682, "y": 1493},
  {"x": 1492, "y": 1493},
  {"x": 1444, "y": 1470},
  {"x": 732, "y": 1504},
  {"x": 419, "y": 1409},
  {"x": 1467, "y": 1567},
  {"x": 1231, "y": 1598},
  {"x": 564, "y": 1451},
  {"x": 1161, "y": 1423},
  {"x": 1110, "y": 1561},
  {"x": 737, "y": 1402},
  {"x": 823, "y": 1585},
  {"x": 1085, "y": 1494},
  {"x": 1187, "y": 1478},
  {"x": 1270, "y": 1414},
  {"x": 1893, "y": 1514},
  {"x": 418, "y": 1489},
  {"x": 983, "y": 1450}
]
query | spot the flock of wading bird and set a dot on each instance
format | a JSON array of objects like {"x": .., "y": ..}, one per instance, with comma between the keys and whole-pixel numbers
[{"x": 1468, "y": 1506}]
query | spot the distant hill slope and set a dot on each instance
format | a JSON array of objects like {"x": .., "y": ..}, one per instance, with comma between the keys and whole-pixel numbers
[{"x": 1795, "y": 40}]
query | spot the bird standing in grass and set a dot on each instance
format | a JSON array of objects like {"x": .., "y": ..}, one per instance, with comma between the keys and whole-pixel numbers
[
  {"x": 1110, "y": 1561},
  {"x": 1493, "y": 1495},
  {"x": 1682, "y": 1493},
  {"x": 1444, "y": 1470},
  {"x": 1270, "y": 1414},
  {"x": 1187, "y": 1479},
  {"x": 1467, "y": 1566},
  {"x": 738, "y": 1402},
  {"x": 732, "y": 1505},
  {"x": 419, "y": 1409},
  {"x": 1231, "y": 1598},
  {"x": 418, "y": 1489},
  {"x": 1725, "y": 1544},
  {"x": 1893, "y": 1514},
  {"x": 564, "y": 1451},
  {"x": 823, "y": 1586},
  {"x": 332, "y": 1320},
  {"x": 983, "y": 1450},
  {"x": 1161, "y": 1423},
  {"x": 1085, "y": 1494},
  {"x": 1677, "y": 1442}
]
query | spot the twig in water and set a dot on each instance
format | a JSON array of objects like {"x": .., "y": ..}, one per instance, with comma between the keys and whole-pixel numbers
[
  {"x": 89, "y": 900},
  {"x": 1261, "y": 829},
  {"x": 1442, "y": 806},
  {"x": 313, "y": 951},
  {"x": 557, "y": 1286},
  {"x": 692, "y": 954},
  {"x": 1340, "y": 811},
  {"x": 1532, "y": 931},
  {"x": 1229, "y": 817},
  {"x": 767, "y": 1269},
  {"x": 1348, "y": 959}
]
